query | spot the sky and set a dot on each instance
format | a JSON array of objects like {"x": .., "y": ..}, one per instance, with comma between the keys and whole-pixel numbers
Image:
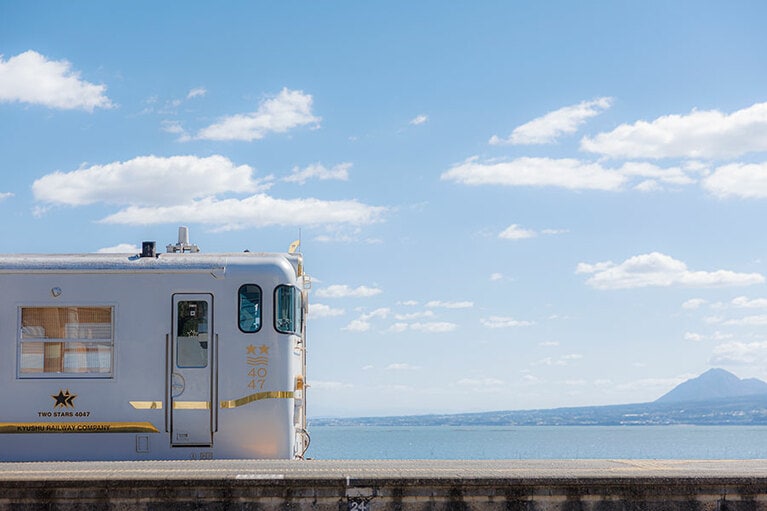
[{"x": 502, "y": 204}]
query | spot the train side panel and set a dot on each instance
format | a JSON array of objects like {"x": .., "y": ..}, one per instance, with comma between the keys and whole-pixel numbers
[{"x": 120, "y": 365}]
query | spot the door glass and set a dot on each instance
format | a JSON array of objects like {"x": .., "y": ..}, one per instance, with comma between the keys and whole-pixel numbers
[
  {"x": 250, "y": 308},
  {"x": 192, "y": 333}
]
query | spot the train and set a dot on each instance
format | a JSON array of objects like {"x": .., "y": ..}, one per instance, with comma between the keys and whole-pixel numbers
[{"x": 153, "y": 355}]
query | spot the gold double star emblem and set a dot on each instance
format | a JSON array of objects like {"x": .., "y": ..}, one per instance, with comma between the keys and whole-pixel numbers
[
  {"x": 262, "y": 350},
  {"x": 64, "y": 399}
]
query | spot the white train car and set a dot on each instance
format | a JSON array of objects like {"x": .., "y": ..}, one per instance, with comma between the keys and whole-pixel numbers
[{"x": 179, "y": 355}]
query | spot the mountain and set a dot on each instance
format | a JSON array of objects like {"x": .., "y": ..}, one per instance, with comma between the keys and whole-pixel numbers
[
  {"x": 716, "y": 397},
  {"x": 713, "y": 384}
]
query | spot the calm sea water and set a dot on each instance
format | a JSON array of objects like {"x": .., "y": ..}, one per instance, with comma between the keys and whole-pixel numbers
[{"x": 539, "y": 442}]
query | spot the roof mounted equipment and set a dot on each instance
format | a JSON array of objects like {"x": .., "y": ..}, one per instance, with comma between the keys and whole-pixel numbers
[
  {"x": 183, "y": 244},
  {"x": 148, "y": 249}
]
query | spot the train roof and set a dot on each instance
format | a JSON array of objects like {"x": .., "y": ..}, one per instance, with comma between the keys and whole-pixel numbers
[
  {"x": 179, "y": 258},
  {"x": 181, "y": 262}
]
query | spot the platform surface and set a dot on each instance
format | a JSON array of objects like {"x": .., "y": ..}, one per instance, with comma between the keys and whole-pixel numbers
[{"x": 383, "y": 469}]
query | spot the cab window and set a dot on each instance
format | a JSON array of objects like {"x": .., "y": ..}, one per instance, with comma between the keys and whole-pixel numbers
[{"x": 287, "y": 310}]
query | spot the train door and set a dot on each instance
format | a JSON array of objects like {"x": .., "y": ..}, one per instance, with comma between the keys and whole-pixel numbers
[{"x": 191, "y": 364}]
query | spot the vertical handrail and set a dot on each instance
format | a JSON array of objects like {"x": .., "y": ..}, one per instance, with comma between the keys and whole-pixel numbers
[
  {"x": 168, "y": 376},
  {"x": 214, "y": 384}
]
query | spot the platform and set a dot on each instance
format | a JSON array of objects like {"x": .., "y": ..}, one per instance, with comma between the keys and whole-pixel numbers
[{"x": 385, "y": 485}]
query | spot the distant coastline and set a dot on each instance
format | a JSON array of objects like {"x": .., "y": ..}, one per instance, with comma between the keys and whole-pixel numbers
[
  {"x": 735, "y": 402},
  {"x": 744, "y": 410}
]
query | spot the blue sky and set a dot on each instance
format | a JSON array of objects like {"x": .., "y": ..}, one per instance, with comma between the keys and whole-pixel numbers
[{"x": 503, "y": 205}]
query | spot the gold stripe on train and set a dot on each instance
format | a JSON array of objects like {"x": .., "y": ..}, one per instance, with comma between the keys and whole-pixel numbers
[
  {"x": 146, "y": 405},
  {"x": 78, "y": 427},
  {"x": 191, "y": 405},
  {"x": 234, "y": 403}
]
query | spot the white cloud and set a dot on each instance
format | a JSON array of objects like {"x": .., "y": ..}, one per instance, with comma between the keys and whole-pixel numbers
[
  {"x": 31, "y": 78},
  {"x": 147, "y": 180},
  {"x": 660, "y": 270},
  {"x": 419, "y": 119},
  {"x": 345, "y": 234},
  {"x": 548, "y": 343},
  {"x": 414, "y": 315},
  {"x": 122, "y": 248},
  {"x": 693, "y": 303},
  {"x": 564, "y": 360},
  {"x": 338, "y": 172},
  {"x": 503, "y": 322},
  {"x": 699, "y": 134},
  {"x": 648, "y": 186},
  {"x": 716, "y": 336},
  {"x": 565, "y": 173},
  {"x": 757, "y": 320},
  {"x": 743, "y": 302},
  {"x": 515, "y": 232},
  {"x": 320, "y": 310},
  {"x": 381, "y": 313},
  {"x": 5, "y": 195},
  {"x": 568, "y": 173},
  {"x": 197, "y": 92},
  {"x": 344, "y": 291},
  {"x": 550, "y": 232},
  {"x": 398, "y": 328},
  {"x": 530, "y": 379},
  {"x": 357, "y": 325},
  {"x": 738, "y": 180},
  {"x": 669, "y": 175},
  {"x": 434, "y": 327},
  {"x": 546, "y": 129},
  {"x": 495, "y": 277},
  {"x": 289, "y": 109},
  {"x": 183, "y": 189},
  {"x": 740, "y": 353},
  {"x": 256, "y": 211},
  {"x": 174, "y": 127},
  {"x": 450, "y": 305}
]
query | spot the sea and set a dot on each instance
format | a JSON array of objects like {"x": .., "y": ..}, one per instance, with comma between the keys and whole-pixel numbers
[{"x": 538, "y": 442}]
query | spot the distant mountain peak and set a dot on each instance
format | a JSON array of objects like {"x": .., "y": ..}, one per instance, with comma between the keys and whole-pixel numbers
[{"x": 713, "y": 384}]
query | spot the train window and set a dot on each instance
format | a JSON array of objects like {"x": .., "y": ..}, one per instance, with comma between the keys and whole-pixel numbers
[
  {"x": 249, "y": 316},
  {"x": 66, "y": 342},
  {"x": 287, "y": 311},
  {"x": 192, "y": 333}
]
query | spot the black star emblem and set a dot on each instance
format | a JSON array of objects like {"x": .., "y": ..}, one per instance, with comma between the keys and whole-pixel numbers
[{"x": 64, "y": 399}]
